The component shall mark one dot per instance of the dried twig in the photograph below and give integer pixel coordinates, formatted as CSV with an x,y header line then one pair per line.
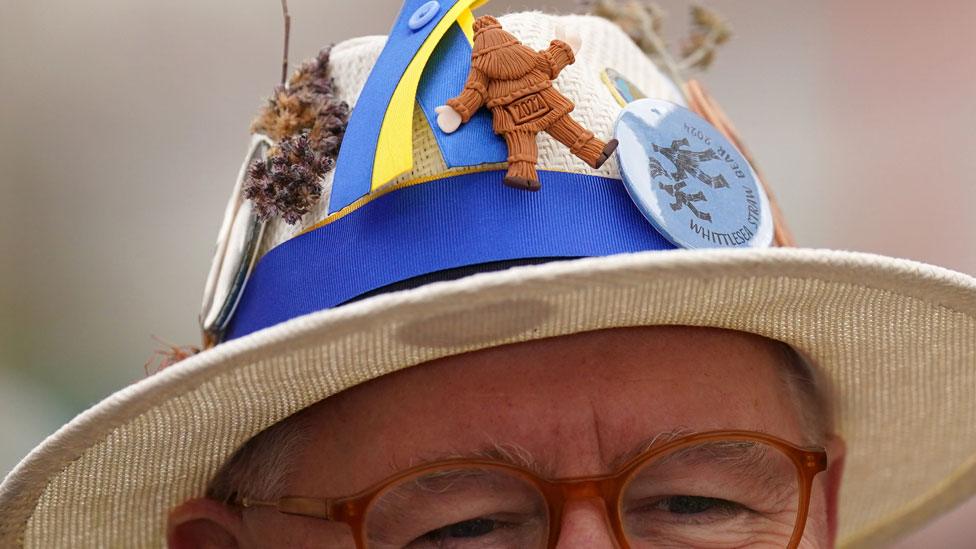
x,y
169,355
284,58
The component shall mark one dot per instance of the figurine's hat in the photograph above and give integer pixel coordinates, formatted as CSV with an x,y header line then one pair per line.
x,y
412,249
485,22
496,51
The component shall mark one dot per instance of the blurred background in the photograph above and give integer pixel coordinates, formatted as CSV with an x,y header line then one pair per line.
x,y
123,124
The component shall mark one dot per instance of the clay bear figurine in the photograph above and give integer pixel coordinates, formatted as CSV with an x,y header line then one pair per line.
x,y
515,82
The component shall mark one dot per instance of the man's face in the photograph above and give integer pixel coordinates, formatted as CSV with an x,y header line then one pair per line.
x,y
574,405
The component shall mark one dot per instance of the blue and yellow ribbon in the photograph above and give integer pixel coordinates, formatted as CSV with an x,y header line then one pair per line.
x,y
426,65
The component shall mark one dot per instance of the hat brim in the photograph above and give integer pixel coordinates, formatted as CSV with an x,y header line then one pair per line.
x,y
896,339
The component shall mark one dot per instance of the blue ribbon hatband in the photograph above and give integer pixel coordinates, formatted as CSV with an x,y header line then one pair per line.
x,y
444,224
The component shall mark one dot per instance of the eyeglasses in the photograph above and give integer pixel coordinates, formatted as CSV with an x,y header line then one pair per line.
x,y
714,489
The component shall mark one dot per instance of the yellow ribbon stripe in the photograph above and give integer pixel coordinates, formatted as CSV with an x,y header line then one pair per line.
x,y
466,22
394,149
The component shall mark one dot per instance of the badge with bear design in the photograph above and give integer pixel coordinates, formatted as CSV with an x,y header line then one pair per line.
x,y
688,180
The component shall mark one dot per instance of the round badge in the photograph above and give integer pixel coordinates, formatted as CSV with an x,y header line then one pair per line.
x,y
688,180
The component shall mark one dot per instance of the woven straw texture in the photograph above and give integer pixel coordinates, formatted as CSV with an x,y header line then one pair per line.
x,y
604,45
897,339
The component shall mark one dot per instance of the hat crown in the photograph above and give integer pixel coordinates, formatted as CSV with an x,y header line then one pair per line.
x,y
370,243
606,46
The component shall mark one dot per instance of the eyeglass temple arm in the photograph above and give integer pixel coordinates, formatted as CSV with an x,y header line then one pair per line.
x,y
306,507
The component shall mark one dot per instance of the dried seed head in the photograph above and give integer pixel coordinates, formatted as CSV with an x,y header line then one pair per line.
x,y
288,183
307,121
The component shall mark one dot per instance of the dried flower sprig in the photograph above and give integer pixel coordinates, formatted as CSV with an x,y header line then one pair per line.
x,y
306,121
710,32
642,20
307,102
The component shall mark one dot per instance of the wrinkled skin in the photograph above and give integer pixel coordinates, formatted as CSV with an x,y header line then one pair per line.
x,y
575,403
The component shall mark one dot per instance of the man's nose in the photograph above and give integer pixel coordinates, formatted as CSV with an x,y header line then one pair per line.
x,y
585,525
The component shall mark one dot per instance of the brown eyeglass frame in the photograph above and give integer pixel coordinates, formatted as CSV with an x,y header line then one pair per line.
x,y
352,509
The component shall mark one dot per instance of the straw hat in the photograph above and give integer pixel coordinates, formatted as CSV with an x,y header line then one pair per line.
x,y
896,338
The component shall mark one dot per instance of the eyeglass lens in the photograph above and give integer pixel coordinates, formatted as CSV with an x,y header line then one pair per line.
x,y
459,508
725,494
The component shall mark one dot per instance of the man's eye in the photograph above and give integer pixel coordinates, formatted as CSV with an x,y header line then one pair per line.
x,y
693,505
472,528
467,529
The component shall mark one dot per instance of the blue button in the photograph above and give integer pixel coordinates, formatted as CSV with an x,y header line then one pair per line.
x,y
423,15
688,180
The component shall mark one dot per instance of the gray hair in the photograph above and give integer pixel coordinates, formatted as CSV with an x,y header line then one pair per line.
x,y
807,386
259,468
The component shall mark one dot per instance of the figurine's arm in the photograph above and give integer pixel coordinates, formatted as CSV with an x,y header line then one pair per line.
x,y
559,55
562,51
460,109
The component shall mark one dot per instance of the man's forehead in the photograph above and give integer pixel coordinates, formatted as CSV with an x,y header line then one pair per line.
x,y
576,405
665,354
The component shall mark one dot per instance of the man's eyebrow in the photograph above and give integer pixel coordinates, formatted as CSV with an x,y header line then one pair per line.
x,y
518,456
731,452
648,443
508,453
